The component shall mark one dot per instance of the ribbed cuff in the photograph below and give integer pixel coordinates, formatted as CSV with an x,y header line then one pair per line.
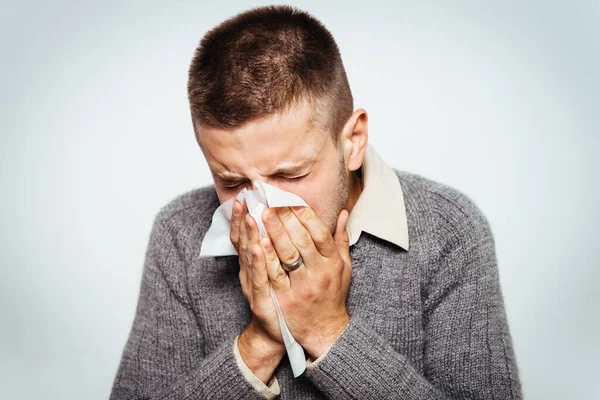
x,y
358,365
219,377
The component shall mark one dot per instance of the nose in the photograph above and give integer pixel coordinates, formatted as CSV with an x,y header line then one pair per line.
x,y
253,182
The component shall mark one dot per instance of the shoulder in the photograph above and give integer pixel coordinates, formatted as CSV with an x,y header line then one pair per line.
x,y
198,203
186,218
445,214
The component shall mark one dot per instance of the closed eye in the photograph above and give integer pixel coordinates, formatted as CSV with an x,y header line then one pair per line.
x,y
294,179
233,186
238,186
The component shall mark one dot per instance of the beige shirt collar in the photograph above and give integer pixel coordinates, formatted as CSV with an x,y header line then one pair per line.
x,y
380,208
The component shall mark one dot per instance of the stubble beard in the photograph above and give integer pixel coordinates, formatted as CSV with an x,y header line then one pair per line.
x,y
342,194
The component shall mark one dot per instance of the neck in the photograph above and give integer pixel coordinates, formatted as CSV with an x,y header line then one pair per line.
x,y
356,188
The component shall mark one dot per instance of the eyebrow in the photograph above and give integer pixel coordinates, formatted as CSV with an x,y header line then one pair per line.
x,y
291,170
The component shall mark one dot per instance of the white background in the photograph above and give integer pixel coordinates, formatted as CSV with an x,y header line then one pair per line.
x,y
498,99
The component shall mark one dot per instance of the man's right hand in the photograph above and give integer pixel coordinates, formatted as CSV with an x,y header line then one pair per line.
x,y
260,344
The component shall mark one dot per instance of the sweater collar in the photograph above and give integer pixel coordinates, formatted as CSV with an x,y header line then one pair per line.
x,y
380,208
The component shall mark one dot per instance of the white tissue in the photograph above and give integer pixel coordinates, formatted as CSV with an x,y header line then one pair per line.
x,y
217,243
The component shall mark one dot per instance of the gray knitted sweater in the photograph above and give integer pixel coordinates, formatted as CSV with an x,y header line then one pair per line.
x,y
428,323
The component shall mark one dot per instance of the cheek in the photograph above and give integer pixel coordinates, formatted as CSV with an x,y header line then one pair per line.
x,y
314,191
225,195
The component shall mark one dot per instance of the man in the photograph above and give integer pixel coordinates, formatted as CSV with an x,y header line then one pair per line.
x,y
270,102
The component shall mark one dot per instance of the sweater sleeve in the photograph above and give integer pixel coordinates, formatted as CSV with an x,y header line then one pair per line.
x,y
163,358
467,352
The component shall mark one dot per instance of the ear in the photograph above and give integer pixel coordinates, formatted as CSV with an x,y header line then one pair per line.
x,y
354,139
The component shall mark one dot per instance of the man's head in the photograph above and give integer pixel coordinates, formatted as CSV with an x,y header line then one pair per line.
x,y
270,101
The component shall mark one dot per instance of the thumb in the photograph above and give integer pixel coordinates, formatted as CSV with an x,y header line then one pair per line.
x,y
341,238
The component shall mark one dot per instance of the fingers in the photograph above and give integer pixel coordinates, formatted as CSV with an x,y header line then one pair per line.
x,y
341,238
260,278
282,243
289,238
244,252
234,230
319,232
244,239
252,228
298,234
279,278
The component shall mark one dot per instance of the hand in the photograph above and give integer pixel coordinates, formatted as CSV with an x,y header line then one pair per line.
x,y
312,298
263,330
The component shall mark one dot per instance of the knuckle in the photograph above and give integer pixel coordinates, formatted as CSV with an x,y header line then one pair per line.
x,y
304,240
280,274
234,239
307,294
278,231
248,221
290,256
255,284
303,213
306,212
271,257
285,213
322,237
324,281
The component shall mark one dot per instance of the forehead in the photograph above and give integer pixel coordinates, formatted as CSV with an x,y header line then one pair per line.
x,y
263,145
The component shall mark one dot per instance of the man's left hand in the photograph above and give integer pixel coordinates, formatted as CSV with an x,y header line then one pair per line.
x,y
312,298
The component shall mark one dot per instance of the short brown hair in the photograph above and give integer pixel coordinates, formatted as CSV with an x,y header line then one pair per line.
x,y
263,61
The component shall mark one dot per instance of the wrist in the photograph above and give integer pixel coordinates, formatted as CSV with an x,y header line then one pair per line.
x,y
260,354
261,344
256,335
318,344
